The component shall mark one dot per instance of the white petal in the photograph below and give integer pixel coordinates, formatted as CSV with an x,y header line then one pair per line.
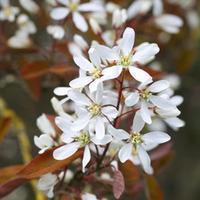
x,y
61,91
161,102
81,123
83,63
78,98
139,74
59,13
176,100
127,42
138,122
119,134
67,137
79,22
175,123
90,7
156,137
63,123
80,82
88,196
94,85
145,113
112,72
158,86
132,99
44,125
125,152
146,53
86,158
66,151
99,94
107,139
99,128
145,160
94,57
110,112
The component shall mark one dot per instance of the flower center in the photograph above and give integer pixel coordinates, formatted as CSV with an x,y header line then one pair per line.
x,y
83,138
73,6
145,94
7,11
94,109
96,73
125,61
135,138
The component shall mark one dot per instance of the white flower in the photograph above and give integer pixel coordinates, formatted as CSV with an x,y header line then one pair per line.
x,y
88,196
124,58
75,8
169,23
148,98
92,111
44,141
143,6
7,11
80,41
136,144
119,18
56,31
30,6
20,40
93,71
45,126
75,140
46,184
25,24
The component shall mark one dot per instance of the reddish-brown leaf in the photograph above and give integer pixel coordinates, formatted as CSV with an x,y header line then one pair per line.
x,y
118,184
153,189
63,69
34,70
7,173
130,172
45,163
8,180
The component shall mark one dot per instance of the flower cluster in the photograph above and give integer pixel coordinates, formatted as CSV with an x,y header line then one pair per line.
x,y
116,110
113,86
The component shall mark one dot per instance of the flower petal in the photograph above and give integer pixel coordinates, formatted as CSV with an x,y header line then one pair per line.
x,y
175,123
79,22
118,134
90,7
78,98
138,122
107,139
156,137
81,123
127,42
94,57
59,13
99,128
66,151
125,152
161,103
112,72
145,160
139,74
83,63
132,99
80,82
158,86
145,113
86,158
110,112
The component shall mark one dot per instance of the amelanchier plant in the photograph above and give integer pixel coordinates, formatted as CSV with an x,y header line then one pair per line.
x,y
106,140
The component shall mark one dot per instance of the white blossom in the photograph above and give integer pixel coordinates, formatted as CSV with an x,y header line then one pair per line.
x,y
136,143
56,31
124,59
46,184
74,7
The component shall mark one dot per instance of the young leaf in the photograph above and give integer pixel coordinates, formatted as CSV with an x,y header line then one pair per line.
x,y
118,184
45,163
